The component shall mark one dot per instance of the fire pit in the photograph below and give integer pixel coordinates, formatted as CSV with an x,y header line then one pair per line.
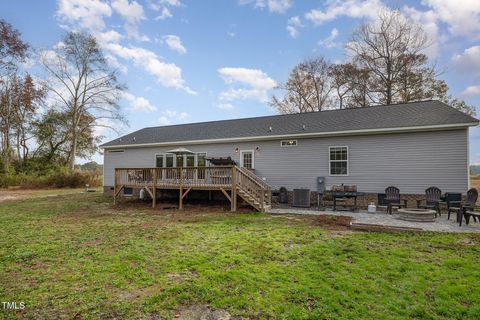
x,y
417,215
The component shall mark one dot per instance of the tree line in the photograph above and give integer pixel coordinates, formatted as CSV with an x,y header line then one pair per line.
x,y
48,120
386,64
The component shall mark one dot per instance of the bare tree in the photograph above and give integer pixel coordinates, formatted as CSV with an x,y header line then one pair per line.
x,y
84,87
12,51
28,98
382,46
307,89
418,81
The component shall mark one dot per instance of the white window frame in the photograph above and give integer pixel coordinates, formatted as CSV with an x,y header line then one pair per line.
x,y
164,154
330,162
196,158
155,159
287,145
253,158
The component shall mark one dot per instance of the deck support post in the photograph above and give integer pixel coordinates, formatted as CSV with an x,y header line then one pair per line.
x,y
233,202
154,196
115,187
180,196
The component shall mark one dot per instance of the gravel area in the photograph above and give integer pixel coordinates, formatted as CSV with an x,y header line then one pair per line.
x,y
381,219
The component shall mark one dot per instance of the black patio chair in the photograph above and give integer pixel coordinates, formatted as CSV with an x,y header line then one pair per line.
x,y
467,208
392,199
432,200
453,201
467,214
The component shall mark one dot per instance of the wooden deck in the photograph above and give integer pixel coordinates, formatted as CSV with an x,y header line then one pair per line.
x,y
231,180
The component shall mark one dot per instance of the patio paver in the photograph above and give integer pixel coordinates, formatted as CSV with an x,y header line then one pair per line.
x,y
381,219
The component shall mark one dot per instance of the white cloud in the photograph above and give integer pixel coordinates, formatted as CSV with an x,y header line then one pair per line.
x,y
462,18
429,23
254,84
113,61
162,6
472,91
139,103
165,13
168,74
469,60
88,14
175,3
279,6
351,8
174,43
169,117
225,106
109,36
329,42
293,24
133,13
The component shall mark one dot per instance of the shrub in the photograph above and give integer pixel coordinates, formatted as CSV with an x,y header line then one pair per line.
x,y
57,179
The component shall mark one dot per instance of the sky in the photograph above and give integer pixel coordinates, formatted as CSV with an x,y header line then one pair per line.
x,y
192,61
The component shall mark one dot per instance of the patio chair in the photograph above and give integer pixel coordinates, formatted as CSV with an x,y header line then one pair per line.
x,y
453,201
432,199
392,199
467,214
467,208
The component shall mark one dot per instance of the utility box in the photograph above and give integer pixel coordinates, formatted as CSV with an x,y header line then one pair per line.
x,y
321,185
301,198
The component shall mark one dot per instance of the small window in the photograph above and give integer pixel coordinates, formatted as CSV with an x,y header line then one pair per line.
x,y
116,151
159,160
201,159
246,159
128,192
169,160
288,143
338,161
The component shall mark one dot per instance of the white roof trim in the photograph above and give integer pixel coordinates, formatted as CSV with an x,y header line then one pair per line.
x,y
301,135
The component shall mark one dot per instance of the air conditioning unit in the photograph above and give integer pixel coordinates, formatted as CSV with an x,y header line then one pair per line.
x,y
301,198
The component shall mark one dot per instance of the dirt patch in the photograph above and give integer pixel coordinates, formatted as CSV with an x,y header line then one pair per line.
x,y
199,312
334,222
13,194
329,222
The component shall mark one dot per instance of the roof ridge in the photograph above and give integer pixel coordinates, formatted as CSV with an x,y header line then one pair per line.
x,y
292,114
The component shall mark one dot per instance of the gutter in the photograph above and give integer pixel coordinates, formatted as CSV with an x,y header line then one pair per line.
x,y
300,135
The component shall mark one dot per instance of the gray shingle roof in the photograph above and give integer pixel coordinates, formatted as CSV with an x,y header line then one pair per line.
x,y
415,114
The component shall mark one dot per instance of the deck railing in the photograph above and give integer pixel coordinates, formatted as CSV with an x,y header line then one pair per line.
x,y
255,186
187,177
218,177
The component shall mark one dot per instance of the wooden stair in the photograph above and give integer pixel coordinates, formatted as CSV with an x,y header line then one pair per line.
x,y
253,190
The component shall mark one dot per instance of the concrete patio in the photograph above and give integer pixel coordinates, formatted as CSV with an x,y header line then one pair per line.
x,y
382,221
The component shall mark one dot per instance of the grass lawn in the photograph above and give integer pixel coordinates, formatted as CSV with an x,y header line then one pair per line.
x,y
80,257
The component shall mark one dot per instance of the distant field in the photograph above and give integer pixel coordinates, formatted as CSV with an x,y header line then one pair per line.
x,y
475,181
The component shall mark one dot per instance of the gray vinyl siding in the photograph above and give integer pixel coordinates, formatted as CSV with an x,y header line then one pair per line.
x,y
410,161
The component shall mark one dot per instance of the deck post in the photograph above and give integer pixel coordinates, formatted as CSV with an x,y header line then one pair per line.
x,y
115,186
262,199
180,196
154,198
234,190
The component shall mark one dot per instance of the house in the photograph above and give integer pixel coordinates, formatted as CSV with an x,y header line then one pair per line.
x,y
411,146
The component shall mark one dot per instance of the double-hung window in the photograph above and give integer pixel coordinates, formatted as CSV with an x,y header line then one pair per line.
x,y
338,161
246,159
